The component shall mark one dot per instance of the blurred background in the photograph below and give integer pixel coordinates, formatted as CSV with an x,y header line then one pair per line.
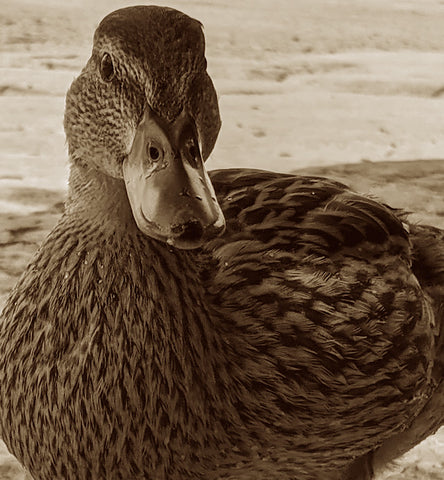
x,y
353,90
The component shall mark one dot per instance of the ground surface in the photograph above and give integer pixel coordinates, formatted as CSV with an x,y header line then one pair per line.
x,y
302,84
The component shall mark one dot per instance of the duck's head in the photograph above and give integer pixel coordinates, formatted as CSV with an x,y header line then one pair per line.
x,y
144,110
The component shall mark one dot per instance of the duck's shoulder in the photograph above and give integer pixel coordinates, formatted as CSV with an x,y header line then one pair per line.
x,y
228,181
288,211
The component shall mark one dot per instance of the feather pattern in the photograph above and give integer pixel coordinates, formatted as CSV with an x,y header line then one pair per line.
x,y
298,344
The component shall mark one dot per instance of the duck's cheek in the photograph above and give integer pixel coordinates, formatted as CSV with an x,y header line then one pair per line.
x,y
171,195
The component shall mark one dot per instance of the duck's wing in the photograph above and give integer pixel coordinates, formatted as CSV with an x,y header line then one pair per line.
x,y
319,281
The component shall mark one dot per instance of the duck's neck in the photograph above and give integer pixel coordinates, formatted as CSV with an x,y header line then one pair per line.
x,y
152,284
98,208
99,198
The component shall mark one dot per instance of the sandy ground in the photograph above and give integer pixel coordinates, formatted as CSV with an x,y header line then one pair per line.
x,y
353,90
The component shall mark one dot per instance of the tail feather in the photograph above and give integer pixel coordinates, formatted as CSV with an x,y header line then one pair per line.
x,y
428,248
428,266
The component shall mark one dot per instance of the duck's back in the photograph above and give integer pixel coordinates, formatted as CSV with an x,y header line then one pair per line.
x,y
322,282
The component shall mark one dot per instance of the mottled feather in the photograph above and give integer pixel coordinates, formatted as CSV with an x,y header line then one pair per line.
x,y
306,342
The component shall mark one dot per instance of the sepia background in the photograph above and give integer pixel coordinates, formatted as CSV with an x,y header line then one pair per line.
x,y
348,89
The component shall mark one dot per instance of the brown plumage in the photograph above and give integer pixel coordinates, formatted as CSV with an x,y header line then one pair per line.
x,y
143,343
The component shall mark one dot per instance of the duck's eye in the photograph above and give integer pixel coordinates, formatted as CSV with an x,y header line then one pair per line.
x,y
193,151
155,153
107,68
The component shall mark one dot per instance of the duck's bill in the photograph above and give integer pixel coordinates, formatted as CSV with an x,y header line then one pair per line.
x,y
171,195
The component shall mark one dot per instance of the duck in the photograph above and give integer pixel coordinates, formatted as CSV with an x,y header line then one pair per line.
x,y
233,324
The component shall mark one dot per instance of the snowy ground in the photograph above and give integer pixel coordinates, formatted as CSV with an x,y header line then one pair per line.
x,y
302,83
